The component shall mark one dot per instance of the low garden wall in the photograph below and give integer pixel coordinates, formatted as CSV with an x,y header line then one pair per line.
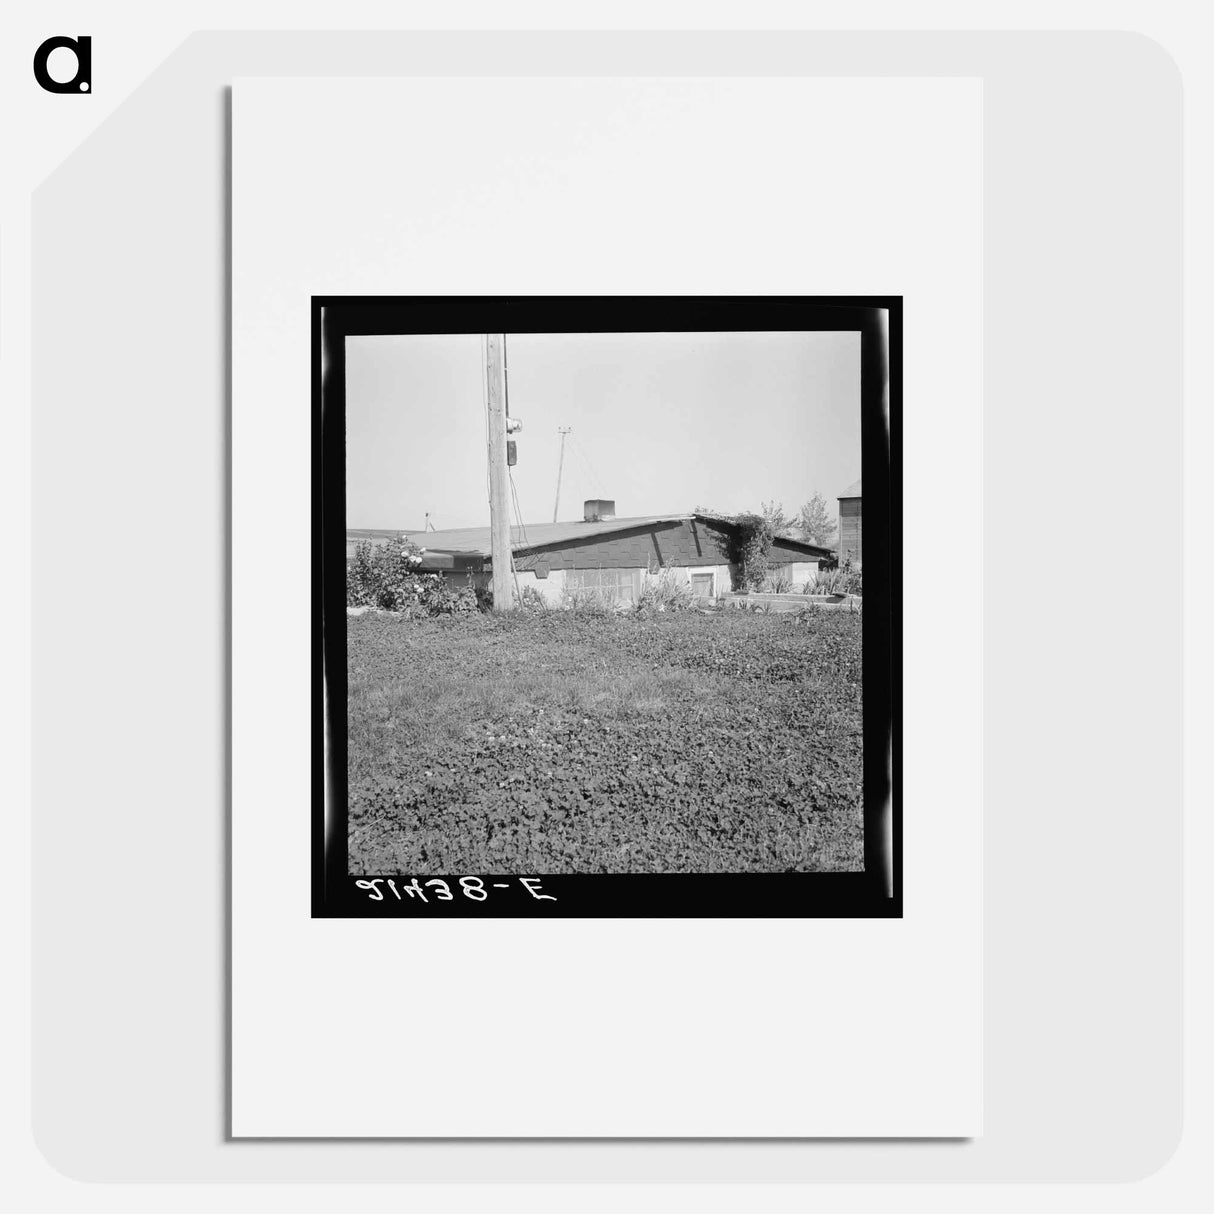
x,y
757,600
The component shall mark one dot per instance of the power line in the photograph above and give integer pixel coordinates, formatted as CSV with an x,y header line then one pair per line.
x,y
485,417
518,515
621,472
518,512
591,474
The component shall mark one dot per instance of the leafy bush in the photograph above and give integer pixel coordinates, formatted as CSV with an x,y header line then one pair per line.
x,y
852,576
825,581
435,597
840,579
530,600
446,601
779,582
386,576
749,547
665,591
592,602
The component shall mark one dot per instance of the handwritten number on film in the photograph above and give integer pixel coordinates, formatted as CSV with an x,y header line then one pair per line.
x,y
440,891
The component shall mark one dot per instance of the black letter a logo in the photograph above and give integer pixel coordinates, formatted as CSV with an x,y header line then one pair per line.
x,y
82,48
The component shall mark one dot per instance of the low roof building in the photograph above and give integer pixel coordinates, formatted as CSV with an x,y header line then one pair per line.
x,y
601,551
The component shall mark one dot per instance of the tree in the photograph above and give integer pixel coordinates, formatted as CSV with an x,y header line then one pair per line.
x,y
773,513
816,521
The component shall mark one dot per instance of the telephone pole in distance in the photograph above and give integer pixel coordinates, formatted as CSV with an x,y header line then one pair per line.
x,y
560,464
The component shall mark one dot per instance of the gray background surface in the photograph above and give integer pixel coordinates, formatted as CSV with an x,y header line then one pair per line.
x,y
1082,684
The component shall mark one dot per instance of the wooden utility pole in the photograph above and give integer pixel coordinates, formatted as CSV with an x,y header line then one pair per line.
x,y
499,484
560,464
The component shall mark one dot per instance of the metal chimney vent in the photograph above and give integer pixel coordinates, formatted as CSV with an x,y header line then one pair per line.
x,y
598,510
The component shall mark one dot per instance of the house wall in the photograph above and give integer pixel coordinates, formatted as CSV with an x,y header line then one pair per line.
x,y
458,579
552,587
850,537
549,587
802,571
722,579
688,544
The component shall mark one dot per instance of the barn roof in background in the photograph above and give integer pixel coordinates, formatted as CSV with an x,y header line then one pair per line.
x,y
852,491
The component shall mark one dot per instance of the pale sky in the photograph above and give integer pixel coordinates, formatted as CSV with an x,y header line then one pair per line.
x,y
661,423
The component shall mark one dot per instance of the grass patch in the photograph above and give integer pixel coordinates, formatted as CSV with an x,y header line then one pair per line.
x,y
558,742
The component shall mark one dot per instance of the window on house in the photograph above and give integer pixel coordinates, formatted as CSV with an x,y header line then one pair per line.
x,y
701,584
619,585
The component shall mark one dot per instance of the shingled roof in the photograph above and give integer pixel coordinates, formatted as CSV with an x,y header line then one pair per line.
x,y
851,491
475,541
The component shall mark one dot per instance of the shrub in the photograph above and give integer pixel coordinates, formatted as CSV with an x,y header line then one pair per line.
x,y
484,597
592,602
825,581
779,582
840,579
386,576
665,591
852,576
434,596
530,600
455,602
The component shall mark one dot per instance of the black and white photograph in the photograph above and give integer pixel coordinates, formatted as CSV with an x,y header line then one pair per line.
x,y
602,600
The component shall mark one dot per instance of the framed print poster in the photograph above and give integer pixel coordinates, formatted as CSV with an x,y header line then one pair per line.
x,y
594,701
652,711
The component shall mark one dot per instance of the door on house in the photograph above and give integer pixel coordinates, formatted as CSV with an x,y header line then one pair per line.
x,y
701,585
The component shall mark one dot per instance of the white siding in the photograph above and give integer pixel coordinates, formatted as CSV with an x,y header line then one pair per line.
x,y
720,577
550,587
